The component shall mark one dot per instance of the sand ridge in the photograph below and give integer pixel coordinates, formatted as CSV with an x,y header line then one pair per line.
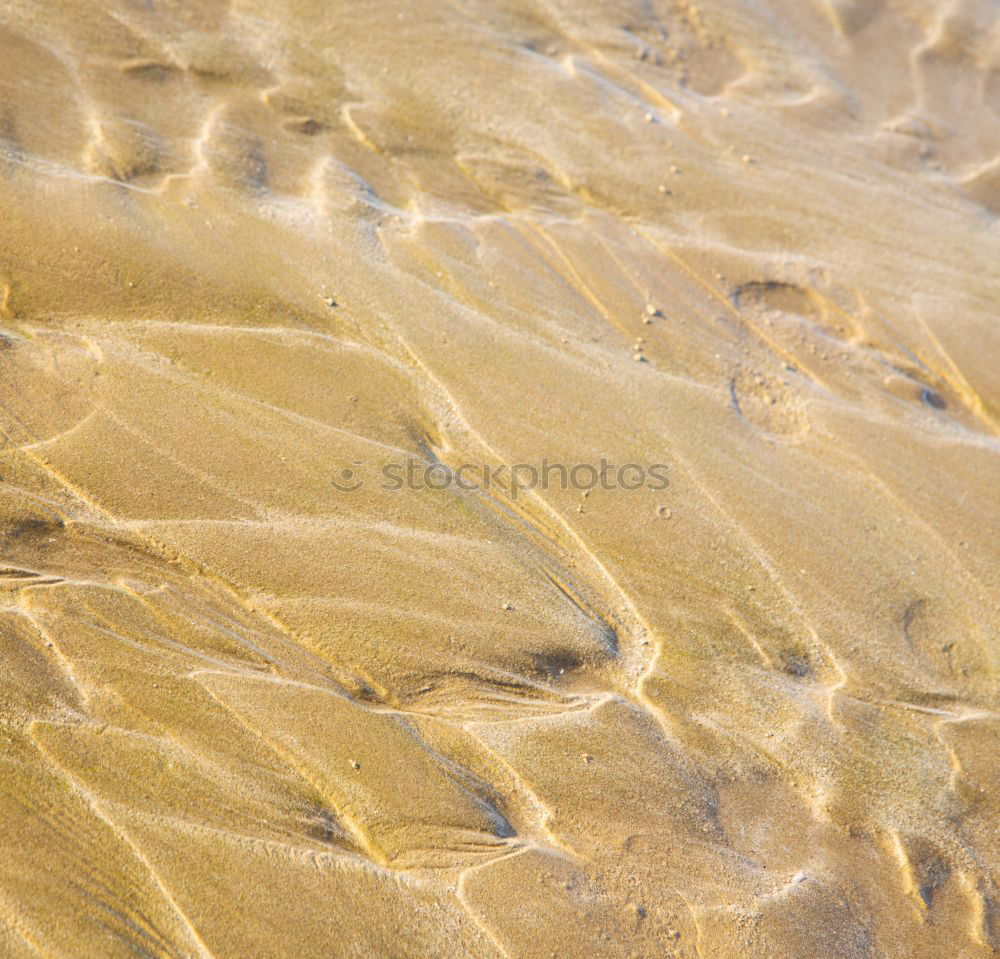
x,y
250,244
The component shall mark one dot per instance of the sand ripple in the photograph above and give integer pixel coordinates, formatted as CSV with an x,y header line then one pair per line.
x,y
250,245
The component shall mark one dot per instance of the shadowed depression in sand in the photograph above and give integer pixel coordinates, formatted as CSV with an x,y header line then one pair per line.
x,y
248,245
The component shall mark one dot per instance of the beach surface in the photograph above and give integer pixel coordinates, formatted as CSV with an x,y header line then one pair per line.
x,y
275,275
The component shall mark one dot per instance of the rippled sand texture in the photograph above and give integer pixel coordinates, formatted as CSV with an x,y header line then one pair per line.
x,y
247,715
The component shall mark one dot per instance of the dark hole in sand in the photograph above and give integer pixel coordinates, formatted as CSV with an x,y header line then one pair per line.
x,y
933,399
795,664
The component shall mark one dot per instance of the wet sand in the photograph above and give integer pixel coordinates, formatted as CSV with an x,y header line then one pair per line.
x,y
256,704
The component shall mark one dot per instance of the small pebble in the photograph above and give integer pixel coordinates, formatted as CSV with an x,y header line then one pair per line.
x,y
639,358
330,301
746,158
355,765
665,512
507,606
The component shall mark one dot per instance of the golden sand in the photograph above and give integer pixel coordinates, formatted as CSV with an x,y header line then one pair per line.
x,y
255,251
